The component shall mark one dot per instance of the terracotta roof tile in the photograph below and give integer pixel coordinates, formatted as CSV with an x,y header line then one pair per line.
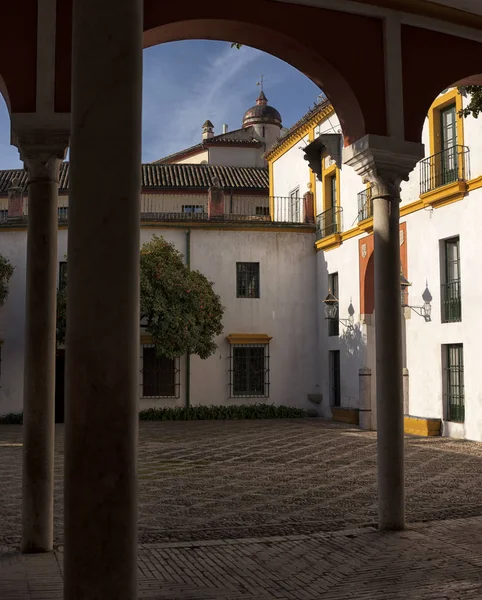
x,y
170,176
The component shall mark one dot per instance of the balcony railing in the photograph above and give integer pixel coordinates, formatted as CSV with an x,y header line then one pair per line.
x,y
451,302
194,207
365,205
443,168
329,222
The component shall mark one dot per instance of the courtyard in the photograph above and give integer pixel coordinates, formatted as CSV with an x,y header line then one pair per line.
x,y
273,509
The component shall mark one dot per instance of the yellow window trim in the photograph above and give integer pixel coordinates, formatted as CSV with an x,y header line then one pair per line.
x,y
326,174
249,338
453,96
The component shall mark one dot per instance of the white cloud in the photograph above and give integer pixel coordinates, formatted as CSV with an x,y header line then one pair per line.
x,y
214,93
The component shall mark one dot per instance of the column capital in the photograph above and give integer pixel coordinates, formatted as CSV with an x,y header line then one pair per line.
x,y
383,161
42,153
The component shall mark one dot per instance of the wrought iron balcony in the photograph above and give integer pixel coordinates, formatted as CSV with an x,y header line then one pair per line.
x,y
451,302
445,167
329,222
365,205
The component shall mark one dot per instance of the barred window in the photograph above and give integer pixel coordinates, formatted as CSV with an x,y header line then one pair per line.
x,y
62,274
192,208
249,371
262,211
247,280
159,375
295,205
454,382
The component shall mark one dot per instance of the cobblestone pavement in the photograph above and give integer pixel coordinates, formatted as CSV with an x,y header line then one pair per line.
x,y
257,510
212,480
437,561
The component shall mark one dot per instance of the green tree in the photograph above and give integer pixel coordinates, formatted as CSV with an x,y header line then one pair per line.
x,y
6,271
181,310
474,107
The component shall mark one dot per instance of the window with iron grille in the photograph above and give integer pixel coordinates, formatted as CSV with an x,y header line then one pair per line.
x,y
247,280
450,289
453,359
295,205
333,324
62,274
192,209
332,192
159,376
249,371
262,210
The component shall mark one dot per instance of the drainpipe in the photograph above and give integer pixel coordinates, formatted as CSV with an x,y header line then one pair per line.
x,y
188,356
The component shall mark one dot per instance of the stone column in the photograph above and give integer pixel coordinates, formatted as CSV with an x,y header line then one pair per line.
x,y
216,208
385,162
102,344
42,155
388,335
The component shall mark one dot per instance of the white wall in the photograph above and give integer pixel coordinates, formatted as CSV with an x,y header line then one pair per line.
x,y
286,311
195,159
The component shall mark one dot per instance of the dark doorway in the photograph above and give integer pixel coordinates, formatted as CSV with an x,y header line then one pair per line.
x,y
334,356
59,386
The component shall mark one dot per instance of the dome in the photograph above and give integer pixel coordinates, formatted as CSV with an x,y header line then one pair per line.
x,y
261,113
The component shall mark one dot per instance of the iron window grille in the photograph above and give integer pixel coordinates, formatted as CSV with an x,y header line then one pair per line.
x,y
247,280
448,166
62,274
262,211
192,209
454,382
160,377
451,289
365,205
249,371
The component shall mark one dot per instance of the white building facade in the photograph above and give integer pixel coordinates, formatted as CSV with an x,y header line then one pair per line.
x,y
440,255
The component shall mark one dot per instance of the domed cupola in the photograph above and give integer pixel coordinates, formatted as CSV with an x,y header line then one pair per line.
x,y
261,114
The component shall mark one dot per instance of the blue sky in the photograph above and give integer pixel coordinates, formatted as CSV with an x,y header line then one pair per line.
x,y
187,82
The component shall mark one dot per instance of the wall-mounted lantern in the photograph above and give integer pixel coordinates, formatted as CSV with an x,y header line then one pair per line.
x,y
424,311
331,311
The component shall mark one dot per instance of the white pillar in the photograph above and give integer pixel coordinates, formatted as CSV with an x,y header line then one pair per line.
x,y
385,162
102,343
42,154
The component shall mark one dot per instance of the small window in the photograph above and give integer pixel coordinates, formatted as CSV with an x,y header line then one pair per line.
x,y
332,191
159,375
192,209
334,324
247,280
62,274
249,371
451,290
453,362
262,211
3,215
294,200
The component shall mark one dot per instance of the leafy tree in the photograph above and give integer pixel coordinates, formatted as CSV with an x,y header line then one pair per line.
x,y
181,310
474,107
179,306
6,271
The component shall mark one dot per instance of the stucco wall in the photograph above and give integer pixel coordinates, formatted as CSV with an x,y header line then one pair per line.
x,y
239,157
286,311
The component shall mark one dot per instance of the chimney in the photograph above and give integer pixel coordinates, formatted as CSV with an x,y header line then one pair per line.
x,y
15,199
215,200
208,130
225,128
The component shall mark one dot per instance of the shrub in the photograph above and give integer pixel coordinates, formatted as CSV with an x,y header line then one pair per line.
x,y
11,419
213,412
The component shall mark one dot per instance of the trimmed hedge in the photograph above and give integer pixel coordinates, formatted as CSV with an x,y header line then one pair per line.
x,y
213,412
11,419
200,413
